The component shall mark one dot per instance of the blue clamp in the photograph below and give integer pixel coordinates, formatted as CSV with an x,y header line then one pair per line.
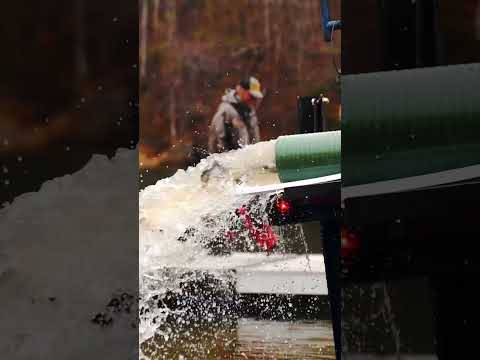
x,y
329,26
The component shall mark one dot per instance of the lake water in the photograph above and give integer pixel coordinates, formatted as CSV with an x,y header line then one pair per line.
x,y
248,339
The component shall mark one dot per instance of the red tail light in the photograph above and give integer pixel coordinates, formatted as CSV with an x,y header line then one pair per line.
x,y
350,244
283,206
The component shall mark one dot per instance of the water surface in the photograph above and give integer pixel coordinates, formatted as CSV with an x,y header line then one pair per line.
x,y
248,339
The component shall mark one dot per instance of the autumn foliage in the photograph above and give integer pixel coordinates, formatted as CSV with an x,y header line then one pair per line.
x,y
191,51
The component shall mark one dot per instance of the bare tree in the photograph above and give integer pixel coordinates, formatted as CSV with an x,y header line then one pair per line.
x,y
172,114
156,7
300,35
266,22
143,37
278,41
171,36
172,22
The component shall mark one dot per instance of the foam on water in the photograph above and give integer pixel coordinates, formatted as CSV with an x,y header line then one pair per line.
x,y
174,204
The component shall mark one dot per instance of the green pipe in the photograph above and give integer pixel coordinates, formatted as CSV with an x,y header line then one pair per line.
x,y
405,123
307,156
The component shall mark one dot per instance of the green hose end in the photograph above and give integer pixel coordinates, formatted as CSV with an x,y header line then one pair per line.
x,y
307,156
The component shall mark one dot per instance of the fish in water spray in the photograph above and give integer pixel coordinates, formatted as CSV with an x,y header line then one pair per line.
x,y
245,227
214,170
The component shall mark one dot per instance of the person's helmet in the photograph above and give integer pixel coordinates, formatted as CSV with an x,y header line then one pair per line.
x,y
253,87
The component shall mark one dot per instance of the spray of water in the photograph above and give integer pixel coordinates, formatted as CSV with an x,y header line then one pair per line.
x,y
193,205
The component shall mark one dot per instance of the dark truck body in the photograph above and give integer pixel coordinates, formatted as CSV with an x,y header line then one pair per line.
x,y
409,280
416,232
422,245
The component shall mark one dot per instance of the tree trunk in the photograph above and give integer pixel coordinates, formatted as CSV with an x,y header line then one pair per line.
x,y
278,41
172,22
171,38
300,35
266,22
172,114
143,38
156,7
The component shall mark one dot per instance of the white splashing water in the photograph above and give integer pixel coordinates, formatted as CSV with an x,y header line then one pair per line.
x,y
175,204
